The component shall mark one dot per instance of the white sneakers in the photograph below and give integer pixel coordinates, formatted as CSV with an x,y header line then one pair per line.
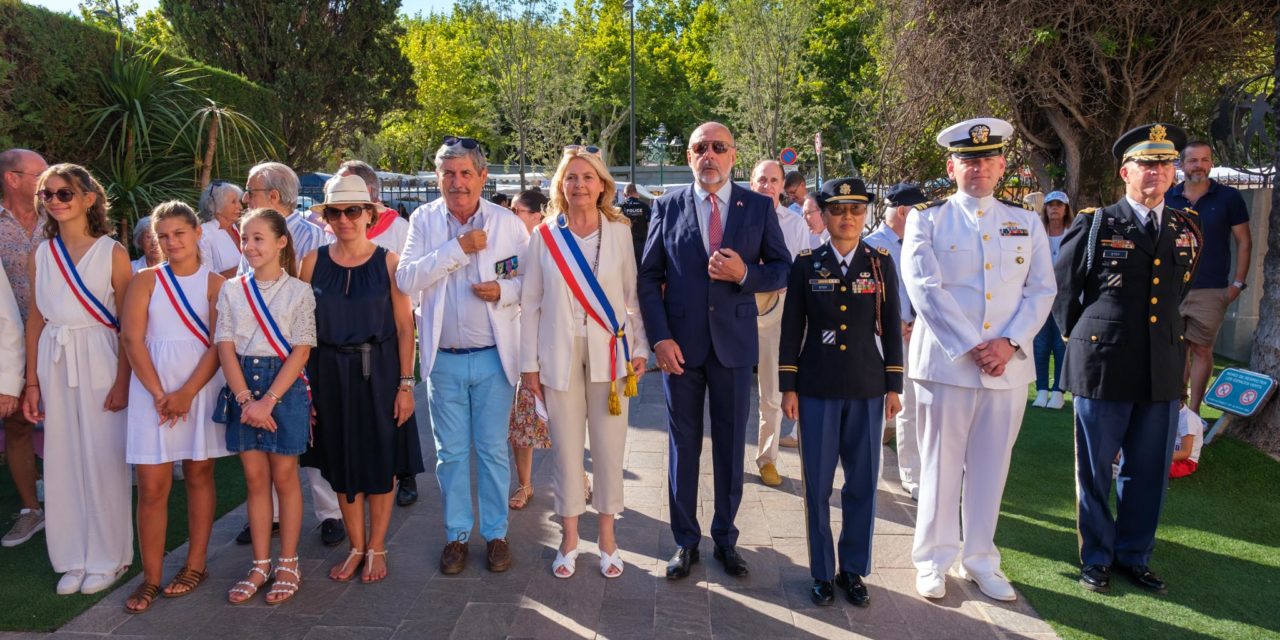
x,y
1055,400
931,584
1042,398
912,489
70,582
77,582
993,584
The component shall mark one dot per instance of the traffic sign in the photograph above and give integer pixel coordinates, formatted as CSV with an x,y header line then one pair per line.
x,y
788,156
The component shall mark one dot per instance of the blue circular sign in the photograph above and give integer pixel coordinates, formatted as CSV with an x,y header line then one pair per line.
x,y
788,156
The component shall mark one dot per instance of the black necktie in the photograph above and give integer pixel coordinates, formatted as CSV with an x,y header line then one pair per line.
x,y
1152,231
844,268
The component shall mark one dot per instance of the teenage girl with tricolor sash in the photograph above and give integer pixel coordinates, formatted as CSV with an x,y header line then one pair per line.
x,y
80,274
166,318
266,327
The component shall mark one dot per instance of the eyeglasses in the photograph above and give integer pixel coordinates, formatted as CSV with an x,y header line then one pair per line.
x,y
352,213
244,197
453,141
591,149
63,195
719,146
23,173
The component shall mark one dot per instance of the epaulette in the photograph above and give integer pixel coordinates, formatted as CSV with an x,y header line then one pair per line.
x,y
1017,205
805,252
883,251
931,204
1087,211
1191,211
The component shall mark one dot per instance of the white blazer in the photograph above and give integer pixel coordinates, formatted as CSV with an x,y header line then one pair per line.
x,y
547,306
12,340
431,254
973,278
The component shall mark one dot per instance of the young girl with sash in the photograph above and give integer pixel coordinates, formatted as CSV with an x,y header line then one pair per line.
x,y
584,344
166,317
266,327
74,372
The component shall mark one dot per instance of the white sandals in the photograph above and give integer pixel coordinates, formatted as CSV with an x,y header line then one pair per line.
x,y
610,561
567,563
284,586
252,589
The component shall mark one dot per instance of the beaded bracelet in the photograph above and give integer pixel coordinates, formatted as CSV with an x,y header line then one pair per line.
x,y
273,396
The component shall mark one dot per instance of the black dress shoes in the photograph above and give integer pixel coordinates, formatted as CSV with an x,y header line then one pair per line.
x,y
822,593
1142,576
332,532
854,591
733,563
407,494
245,537
678,565
1096,578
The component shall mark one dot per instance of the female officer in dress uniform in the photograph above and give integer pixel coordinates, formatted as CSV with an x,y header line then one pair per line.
x,y
840,298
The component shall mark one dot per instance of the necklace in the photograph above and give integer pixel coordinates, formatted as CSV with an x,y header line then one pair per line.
x,y
264,285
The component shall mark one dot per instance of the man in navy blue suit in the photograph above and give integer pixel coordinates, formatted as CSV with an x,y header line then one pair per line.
x,y
711,247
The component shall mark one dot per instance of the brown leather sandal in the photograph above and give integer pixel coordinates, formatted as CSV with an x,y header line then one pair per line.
x,y
187,578
146,594
522,497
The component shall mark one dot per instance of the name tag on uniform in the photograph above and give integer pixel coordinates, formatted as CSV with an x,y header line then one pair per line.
x,y
864,285
1111,253
1013,229
506,269
825,284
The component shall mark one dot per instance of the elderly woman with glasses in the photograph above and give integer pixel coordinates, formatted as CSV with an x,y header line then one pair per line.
x,y
147,245
584,343
219,212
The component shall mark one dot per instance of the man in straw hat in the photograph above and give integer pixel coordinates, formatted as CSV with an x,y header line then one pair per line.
x,y
1124,271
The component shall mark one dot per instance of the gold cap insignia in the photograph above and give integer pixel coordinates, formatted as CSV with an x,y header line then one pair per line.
x,y
978,133
845,189
1157,133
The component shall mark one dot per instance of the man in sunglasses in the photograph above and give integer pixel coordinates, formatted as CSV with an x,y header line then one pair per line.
x,y
459,266
712,245
21,231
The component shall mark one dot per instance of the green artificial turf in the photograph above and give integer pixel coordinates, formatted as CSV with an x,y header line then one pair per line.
x,y
27,581
1216,546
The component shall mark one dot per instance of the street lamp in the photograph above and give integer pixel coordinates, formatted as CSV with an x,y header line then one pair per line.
x,y
630,6
657,146
106,15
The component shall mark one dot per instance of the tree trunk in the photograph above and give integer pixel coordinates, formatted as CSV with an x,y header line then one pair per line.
x,y
210,150
1263,431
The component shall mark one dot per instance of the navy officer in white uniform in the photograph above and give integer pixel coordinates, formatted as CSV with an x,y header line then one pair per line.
x,y
979,274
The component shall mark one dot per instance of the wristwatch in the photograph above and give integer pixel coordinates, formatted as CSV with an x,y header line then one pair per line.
x,y
1239,285
1013,343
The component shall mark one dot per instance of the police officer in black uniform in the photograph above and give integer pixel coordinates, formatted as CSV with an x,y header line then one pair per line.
x,y
638,213
1122,273
840,298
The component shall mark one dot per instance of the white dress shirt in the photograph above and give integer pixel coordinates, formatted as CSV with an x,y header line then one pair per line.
x,y
703,205
1143,212
794,231
217,250
463,308
884,237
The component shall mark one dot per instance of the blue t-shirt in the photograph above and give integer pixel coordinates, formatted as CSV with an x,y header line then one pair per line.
x,y
1220,208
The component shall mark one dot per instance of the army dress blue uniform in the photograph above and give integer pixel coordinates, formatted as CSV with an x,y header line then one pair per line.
x,y
1121,283
829,357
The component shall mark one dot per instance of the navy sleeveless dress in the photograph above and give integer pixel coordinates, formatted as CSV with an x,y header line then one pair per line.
x,y
354,372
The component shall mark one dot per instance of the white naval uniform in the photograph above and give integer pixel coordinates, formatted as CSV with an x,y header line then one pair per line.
x,y
975,270
905,424
769,330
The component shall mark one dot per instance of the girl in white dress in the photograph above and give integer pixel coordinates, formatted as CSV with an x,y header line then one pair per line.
x,y
80,274
166,318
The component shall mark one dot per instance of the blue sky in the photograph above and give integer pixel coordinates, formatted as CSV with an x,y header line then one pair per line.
x,y
407,7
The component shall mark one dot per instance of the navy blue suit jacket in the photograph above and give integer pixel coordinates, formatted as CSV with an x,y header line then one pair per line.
x,y
697,312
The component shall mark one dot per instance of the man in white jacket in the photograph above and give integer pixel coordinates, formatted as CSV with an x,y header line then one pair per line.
x,y
12,350
459,265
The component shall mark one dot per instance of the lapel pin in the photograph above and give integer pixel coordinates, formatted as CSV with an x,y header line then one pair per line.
x,y
739,203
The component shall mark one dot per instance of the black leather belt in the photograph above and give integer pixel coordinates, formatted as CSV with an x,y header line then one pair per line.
x,y
458,352
364,350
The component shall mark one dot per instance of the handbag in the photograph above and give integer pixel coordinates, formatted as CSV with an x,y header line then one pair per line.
x,y
222,406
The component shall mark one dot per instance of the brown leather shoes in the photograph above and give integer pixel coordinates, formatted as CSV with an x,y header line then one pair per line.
x,y
454,558
499,555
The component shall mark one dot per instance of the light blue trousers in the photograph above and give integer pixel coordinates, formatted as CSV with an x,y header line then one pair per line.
x,y
470,401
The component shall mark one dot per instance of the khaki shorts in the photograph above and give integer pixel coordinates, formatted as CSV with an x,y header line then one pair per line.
x,y
1203,310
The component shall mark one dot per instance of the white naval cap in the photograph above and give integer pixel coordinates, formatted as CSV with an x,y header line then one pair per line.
x,y
976,138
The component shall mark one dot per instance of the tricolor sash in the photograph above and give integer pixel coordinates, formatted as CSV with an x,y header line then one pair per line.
x,y
266,322
586,290
86,298
178,298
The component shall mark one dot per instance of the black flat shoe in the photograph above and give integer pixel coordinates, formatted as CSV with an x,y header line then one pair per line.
x,y
1095,578
822,593
407,494
854,591
332,532
245,537
678,565
1144,578
733,563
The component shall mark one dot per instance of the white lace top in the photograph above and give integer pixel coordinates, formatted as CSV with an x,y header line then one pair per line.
x,y
291,303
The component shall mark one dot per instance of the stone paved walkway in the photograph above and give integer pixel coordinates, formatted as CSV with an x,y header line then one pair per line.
x,y
528,602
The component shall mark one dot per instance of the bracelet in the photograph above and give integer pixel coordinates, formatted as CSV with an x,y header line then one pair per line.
x,y
273,396
409,380
244,396
33,384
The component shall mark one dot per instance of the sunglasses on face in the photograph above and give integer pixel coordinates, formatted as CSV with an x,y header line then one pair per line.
x,y
63,195
719,146
453,141
352,213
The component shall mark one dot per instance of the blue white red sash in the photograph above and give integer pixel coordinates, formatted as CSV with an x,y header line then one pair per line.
x,y
86,298
270,330
586,290
178,298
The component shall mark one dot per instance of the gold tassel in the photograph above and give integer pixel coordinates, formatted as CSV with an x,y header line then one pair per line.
x,y
615,405
631,391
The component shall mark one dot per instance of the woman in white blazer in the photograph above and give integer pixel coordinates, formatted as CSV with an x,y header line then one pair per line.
x,y
583,361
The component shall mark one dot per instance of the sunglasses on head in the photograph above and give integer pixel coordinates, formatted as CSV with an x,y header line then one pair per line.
x,y
352,212
719,146
590,148
63,195
453,141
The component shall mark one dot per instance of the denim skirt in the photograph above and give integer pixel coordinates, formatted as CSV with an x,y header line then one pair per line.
x,y
292,414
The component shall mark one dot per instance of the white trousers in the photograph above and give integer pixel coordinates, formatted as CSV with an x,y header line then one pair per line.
x,y
769,329
570,415
905,427
323,499
966,438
